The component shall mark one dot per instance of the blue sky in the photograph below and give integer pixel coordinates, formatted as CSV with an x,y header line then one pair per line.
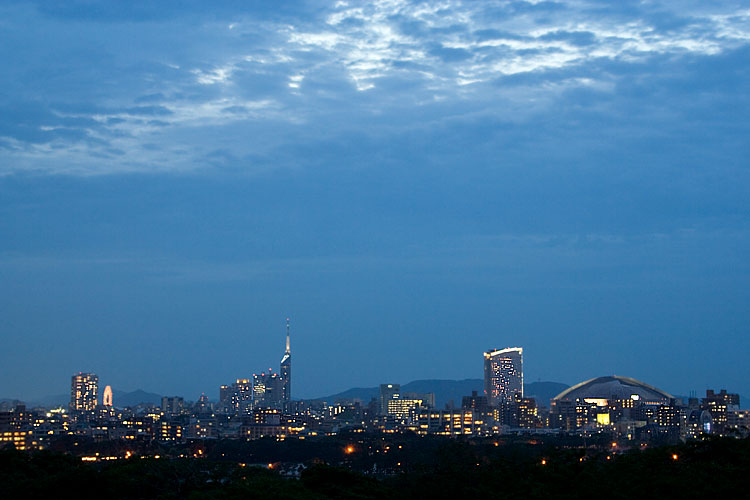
x,y
412,182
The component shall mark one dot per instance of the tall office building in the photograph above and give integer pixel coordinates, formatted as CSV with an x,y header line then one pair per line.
x,y
172,405
286,371
83,392
236,399
242,396
503,375
266,390
720,405
387,393
226,393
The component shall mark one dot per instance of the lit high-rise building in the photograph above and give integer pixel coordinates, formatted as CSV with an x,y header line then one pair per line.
x,y
83,392
503,375
242,396
387,393
226,393
236,399
405,409
286,371
266,390
172,405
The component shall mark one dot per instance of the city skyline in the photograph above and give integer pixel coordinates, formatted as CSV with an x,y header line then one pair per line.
x,y
503,381
411,182
277,384
608,409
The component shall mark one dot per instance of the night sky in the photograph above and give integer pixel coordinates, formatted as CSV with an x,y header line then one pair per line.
x,y
413,183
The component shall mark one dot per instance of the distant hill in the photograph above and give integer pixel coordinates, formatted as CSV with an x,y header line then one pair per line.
x,y
543,391
122,399
451,390
119,399
52,401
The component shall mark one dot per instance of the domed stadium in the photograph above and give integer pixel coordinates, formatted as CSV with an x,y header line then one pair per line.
x,y
613,387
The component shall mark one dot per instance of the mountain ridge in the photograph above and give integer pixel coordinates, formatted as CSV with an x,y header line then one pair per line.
x,y
447,391
119,398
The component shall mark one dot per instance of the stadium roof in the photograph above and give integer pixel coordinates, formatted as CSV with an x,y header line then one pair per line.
x,y
613,387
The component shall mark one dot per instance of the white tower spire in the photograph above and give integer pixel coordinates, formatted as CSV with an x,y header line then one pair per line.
x,y
287,336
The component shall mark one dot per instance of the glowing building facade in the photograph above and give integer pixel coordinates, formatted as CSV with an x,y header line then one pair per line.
x,y
83,392
107,396
503,375
405,410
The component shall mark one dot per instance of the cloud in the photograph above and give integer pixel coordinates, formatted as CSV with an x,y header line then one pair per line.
x,y
147,111
313,70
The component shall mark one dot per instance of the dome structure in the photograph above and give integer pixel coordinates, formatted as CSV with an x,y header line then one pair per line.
x,y
613,387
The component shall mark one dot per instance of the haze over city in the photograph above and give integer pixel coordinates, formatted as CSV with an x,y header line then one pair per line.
x,y
413,183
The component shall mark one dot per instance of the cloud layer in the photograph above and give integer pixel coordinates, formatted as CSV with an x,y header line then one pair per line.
x,y
403,178
93,89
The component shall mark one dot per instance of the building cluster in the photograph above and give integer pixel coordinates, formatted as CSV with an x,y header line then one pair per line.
x,y
632,410
265,390
620,407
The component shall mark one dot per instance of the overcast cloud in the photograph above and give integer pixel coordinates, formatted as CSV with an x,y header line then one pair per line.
x,y
401,177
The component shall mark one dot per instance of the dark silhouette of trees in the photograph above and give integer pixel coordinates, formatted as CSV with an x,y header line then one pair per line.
x,y
429,468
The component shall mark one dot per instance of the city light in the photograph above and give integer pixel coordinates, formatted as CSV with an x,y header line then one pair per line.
x,y
244,412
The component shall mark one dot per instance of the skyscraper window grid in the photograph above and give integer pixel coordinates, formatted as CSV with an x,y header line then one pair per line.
x,y
503,375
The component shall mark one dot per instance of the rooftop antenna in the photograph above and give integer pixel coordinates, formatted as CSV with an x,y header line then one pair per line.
x,y
287,336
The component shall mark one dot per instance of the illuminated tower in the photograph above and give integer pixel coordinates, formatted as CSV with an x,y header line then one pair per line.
x,y
107,396
286,371
503,375
83,390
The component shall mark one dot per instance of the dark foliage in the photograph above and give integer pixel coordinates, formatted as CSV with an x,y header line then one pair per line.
x,y
407,467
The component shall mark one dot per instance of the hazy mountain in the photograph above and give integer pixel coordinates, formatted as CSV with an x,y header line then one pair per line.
x,y
122,399
445,391
451,390
119,399
52,401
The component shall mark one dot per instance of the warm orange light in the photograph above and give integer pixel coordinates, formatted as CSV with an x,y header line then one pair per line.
x,y
674,456
270,466
107,397
544,461
350,449
614,445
